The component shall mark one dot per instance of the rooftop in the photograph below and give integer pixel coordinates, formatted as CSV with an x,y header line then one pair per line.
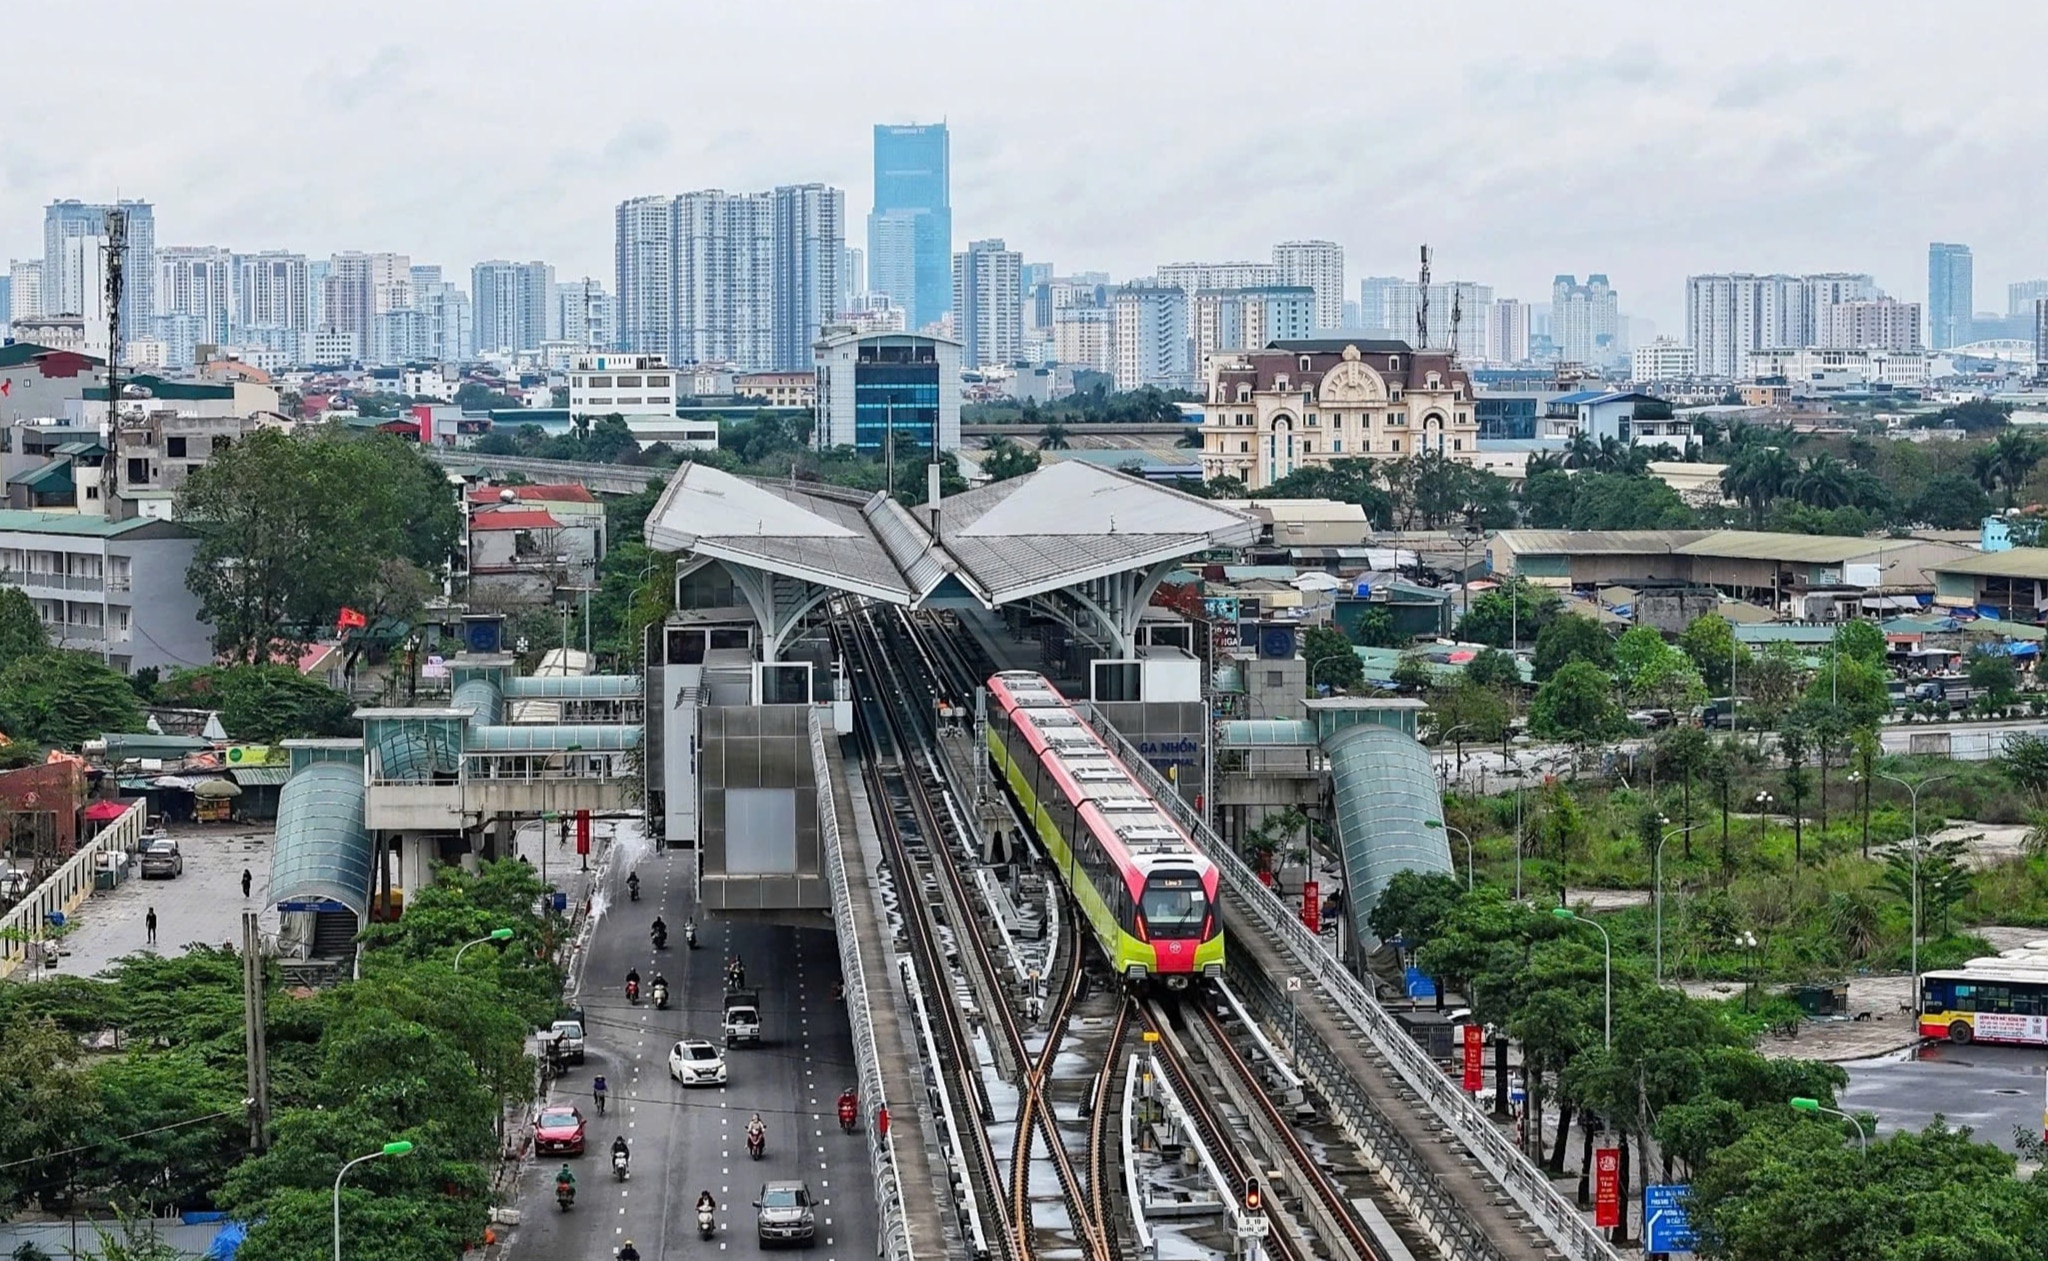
x,y
514,519
2020,562
81,525
573,492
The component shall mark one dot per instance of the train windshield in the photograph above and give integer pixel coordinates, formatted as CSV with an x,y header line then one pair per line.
x,y
1174,905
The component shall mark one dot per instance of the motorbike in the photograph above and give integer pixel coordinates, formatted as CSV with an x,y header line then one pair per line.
x,y
690,933
757,1143
660,937
661,995
705,1226
633,992
565,1194
735,979
619,1166
849,1113
633,889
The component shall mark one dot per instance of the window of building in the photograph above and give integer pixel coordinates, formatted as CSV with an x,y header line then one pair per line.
x,y
1312,421
629,383
657,382
1463,417
600,383
1244,393
1305,364
1308,446
1397,418
1336,446
174,448
1393,363
1397,446
1457,444
1244,448
1280,382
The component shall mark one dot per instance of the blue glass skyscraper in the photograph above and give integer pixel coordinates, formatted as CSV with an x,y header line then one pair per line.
x,y
910,232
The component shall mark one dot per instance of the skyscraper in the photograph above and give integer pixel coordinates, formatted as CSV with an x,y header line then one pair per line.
x,y
988,317
69,271
910,232
2021,295
587,313
853,276
1372,305
270,292
1730,314
1949,295
1585,320
724,285
1149,337
1320,266
360,287
514,304
197,281
808,252
25,288
646,275
1507,332
1471,303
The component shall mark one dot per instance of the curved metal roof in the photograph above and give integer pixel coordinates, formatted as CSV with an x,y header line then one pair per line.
x,y
574,687
1386,796
322,849
483,697
1254,733
586,737
413,753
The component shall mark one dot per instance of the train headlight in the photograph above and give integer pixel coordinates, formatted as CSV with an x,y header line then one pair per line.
x,y
1135,972
1214,971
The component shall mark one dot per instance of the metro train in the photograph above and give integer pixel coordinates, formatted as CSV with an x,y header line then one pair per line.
x,y
1148,895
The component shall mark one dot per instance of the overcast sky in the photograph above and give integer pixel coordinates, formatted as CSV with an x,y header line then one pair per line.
x,y
1643,138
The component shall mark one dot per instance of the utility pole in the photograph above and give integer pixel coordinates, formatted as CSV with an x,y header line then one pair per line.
x,y
1422,305
252,1033
110,466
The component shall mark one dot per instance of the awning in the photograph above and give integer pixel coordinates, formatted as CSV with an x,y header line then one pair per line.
x,y
261,776
1890,603
106,811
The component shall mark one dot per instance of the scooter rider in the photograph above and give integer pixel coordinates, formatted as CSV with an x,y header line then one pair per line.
x,y
633,885
619,1149
628,1252
659,932
565,1179
705,1204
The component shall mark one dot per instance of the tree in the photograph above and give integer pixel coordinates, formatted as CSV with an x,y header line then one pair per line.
x,y
1795,745
1635,650
1414,907
1513,609
1493,668
1568,638
65,699
1865,749
1773,683
1467,711
1330,659
292,528
1824,483
1710,641
1758,477
1949,501
21,628
2007,461
1006,460
1376,628
1995,675
1576,704
2024,760
264,703
1053,437
1862,641
1684,749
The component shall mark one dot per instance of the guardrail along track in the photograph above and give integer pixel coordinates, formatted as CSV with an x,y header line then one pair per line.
x,y
893,669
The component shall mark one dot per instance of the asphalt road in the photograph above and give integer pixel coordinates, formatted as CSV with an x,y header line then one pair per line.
x,y
686,1140
1989,1088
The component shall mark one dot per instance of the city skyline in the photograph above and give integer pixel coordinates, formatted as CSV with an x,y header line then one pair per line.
x,y
1782,168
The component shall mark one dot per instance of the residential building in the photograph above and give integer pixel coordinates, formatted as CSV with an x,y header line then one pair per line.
x,y
872,384
646,275
359,287
317,272
853,276
1471,303
1084,337
63,332
1822,292
1245,319
1193,278
2021,295
54,468
585,314
1149,337
1882,323
73,276
876,314
269,292
1320,266
399,337
1812,371
156,451
336,346
24,288
1730,314
197,281
1950,294
448,319
627,384
1585,319
910,231
524,552
2041,339
1664,359
1373,305
115,588
808,251
514,305
1623,416
724,248
1507,332
987,312
778,389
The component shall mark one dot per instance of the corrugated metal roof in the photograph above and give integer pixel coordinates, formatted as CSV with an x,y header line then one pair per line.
x,y
1264,733
1806,549
1590,542
515,519
260,776
587,738
575,687
46,475
2020,562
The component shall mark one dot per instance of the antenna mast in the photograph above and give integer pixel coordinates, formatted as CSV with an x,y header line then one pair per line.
x,y
589,332
1422,305
116,251
1457,314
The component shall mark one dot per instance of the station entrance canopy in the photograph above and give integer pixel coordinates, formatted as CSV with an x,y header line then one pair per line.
x,y
1082,545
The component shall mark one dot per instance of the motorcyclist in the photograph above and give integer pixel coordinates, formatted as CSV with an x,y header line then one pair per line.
x,y
736,973
628,1252
659,984
690,932
756,1130
599,1090
565,1179
705,1204
633,976
633,885
619,1149
659,931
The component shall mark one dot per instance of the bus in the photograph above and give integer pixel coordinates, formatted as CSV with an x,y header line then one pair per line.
x,y
2001,999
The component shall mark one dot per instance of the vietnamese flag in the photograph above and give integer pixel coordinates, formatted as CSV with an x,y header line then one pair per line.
x,y
349,617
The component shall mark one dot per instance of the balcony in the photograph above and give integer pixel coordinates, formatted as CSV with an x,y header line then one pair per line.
x,y
40,580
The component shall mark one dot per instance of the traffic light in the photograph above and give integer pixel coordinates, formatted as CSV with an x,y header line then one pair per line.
x,y
1251,1196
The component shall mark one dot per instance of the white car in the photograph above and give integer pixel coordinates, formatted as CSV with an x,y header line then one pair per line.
x,y
695,1062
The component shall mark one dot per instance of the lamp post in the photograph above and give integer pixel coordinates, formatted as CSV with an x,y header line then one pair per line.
x,y
1321,661
1657,859
1607,1021
1748,942
1445,735
1467,539
1814,1105
398,1148
496,934
1764,801
1913,791
1462,835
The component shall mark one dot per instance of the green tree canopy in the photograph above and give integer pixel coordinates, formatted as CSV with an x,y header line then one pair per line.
x,y
1861,640
1576,704
1493,668
65,699
1949,501
1331,660
1710,641
1006,460
21,628
1570,637
1513,608
265,703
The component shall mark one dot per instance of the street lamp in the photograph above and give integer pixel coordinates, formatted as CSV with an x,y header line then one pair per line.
x,y
1764,802
1607,1023
1815,1105
1323,660
1913,791
1462,835
1658,860
496,934
398,1148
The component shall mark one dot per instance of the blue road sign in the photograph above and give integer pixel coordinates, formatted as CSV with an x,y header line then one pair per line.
x,y
1665,1225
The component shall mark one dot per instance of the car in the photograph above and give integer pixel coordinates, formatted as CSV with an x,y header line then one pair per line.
x,y
558,1130
786,1214
695,1062
570,1032
742,1017
162,858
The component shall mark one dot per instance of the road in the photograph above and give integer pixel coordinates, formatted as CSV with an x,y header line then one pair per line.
x,y
684,1141
1989,1088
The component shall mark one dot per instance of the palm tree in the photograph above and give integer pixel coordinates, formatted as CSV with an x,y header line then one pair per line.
x,y
1824,483
1053,437
2011,458
1759,477
1581,453
1543,462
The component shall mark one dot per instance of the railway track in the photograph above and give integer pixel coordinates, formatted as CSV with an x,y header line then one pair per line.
x,y
892,665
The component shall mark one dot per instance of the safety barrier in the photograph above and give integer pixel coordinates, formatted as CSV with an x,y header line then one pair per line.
x,y
895,1229
1560,1221
26,925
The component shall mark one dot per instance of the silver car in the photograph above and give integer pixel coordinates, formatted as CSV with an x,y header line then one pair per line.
x,y
786,1214
162,858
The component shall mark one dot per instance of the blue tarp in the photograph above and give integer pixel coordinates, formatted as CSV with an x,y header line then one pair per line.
x,y
227,1242
2021,649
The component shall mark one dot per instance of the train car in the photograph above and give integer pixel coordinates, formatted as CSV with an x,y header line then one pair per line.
x,y
1148,895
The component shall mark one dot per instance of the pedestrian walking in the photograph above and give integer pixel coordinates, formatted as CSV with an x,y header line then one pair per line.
x,y
149,922
247,880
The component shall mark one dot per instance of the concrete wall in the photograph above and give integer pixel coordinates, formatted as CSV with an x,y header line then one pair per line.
x,y
747,749
166,629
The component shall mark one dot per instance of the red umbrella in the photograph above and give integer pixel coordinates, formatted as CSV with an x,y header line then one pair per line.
x,y
106,811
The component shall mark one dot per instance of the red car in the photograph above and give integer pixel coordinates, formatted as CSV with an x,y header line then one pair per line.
x,y
559,1129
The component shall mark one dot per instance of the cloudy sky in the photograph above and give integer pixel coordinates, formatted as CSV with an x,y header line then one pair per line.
x,y
1642,138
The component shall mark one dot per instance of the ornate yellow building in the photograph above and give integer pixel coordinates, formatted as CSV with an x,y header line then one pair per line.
x,y
1301,404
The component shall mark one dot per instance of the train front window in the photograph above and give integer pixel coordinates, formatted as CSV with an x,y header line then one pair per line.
x,y
1174,906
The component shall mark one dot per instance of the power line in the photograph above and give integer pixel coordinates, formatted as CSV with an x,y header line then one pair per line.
x,y
118,1138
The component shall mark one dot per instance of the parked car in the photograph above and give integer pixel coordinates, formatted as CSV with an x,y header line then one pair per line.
x,y
695,1062
558,1129
786,1214
570,1033
1651,719
162,859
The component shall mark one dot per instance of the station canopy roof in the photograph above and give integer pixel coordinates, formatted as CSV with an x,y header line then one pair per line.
x,y
1064,524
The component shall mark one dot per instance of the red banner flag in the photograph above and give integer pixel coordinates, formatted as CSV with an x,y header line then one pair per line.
x,y
583,831
1475,1053
1607,1187
349,617
1312,905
